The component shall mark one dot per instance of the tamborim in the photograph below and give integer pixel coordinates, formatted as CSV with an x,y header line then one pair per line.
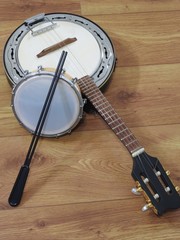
x,y
90,50
65,111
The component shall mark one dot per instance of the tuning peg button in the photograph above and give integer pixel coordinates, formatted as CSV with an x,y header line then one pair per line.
x,y
168,172
177,188
146,180
167,189
147,207
136,191
156,196
158,173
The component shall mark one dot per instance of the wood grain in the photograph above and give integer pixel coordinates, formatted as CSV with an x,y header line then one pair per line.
x,y
109,7
79,185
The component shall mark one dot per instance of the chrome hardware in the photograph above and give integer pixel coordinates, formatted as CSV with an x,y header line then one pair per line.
x,y
40,68
84,100
35,20
74,81
137,191
147,207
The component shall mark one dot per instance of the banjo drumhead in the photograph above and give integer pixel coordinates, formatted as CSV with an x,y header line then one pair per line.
x,y
91,54
81,60
65,110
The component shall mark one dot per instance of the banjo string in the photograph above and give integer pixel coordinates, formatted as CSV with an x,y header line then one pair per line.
x,y
76,65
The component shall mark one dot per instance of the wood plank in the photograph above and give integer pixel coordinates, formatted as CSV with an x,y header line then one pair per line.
x,y
79,185
84,166
20,11
144,38
109,7
99,220
146,95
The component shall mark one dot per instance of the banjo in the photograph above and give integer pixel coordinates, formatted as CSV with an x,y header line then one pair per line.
x,y
30,56
40,40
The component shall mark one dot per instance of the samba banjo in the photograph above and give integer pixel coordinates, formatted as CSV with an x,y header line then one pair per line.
x,y
90,50
30,56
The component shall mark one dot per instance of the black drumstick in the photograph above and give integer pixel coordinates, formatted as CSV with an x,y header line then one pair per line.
x,y
17,190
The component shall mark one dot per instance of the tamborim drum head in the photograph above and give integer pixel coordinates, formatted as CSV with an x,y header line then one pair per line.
x,y
65,110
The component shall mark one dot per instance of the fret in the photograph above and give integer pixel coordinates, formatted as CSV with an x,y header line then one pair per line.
x,y
107,112
96,99
133,146
100,103
117,126
122,139
104,108
130,143
91,92
123,131
118,133
114,122
113,115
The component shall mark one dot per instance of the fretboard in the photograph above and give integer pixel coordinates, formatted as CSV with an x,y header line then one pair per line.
x,y
107,112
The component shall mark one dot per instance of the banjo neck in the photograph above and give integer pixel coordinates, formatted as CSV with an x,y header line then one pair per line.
x,y
110,116
151,179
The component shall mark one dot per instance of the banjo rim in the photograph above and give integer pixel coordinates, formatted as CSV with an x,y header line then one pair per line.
x,y
110,68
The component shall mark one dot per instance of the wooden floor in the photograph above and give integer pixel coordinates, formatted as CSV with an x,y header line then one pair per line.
x,y
79,186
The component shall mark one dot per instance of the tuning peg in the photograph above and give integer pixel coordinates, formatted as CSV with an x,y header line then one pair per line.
x,y
149,203
146,180
168,172
177,188
167,189
156,196
137,191
158,173
147,207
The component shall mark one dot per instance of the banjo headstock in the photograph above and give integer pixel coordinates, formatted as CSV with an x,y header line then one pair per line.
x,y
151,178
155,185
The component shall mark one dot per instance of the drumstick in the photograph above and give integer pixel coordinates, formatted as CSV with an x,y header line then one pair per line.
x,y
17,190
56,46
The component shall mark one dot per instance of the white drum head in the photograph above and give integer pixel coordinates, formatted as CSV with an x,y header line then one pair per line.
x,y
65,109
91,54
83,57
